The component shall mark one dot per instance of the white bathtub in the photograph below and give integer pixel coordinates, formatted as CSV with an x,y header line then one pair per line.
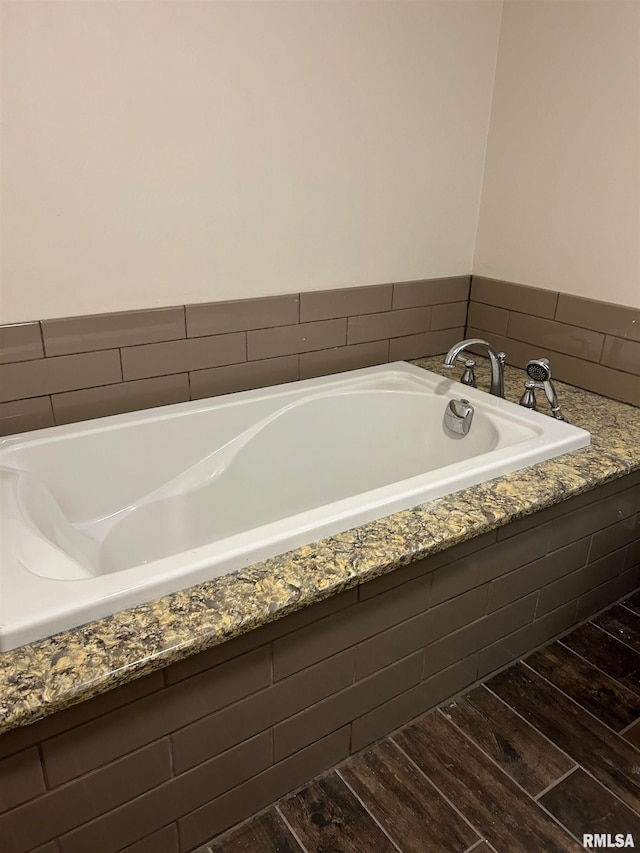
x,y
105,515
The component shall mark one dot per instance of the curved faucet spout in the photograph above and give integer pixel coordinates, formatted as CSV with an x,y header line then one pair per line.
x,y
496,359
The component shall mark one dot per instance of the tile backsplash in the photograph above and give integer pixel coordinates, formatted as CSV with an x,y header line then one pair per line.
x,y
591,344
71,369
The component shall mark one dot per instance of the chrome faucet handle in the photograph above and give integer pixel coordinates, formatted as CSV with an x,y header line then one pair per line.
x,y
469,376
528,399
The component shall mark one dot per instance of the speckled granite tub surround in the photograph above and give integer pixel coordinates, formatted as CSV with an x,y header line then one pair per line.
x,y
47,676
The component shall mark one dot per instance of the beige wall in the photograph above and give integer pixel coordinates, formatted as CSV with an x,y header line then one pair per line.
x,y
561,197
157,153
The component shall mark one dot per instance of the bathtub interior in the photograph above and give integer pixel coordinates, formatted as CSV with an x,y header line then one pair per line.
x,y
257,464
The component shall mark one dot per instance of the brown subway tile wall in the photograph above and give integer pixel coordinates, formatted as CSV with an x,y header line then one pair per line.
x,y
559,337
218,318
22,415
514,297
389,324
179,356
20,342
327,304
434,291
57,812
75,368
21,738
303,337
616,320
235,723
103,740
594,345
21,778
122,397
480,316
450,315
409,346
168,762
621,354
343,358
166,840
242,377
42,376
105,331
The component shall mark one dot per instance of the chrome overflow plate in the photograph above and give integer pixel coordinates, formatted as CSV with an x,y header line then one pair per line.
x,y
458,416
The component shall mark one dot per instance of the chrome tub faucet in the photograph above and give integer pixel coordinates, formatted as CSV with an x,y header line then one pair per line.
x,y
496,359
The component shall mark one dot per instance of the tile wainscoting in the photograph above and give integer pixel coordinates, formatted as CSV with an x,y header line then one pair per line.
x,y
594,345
60,371
65,370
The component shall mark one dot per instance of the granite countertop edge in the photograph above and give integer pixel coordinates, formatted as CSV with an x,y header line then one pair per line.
x,y
46,676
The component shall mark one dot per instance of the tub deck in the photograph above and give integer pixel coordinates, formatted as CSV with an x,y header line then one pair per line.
x,y
43,677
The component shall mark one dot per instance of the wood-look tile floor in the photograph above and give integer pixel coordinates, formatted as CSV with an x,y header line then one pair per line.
x,y
527,762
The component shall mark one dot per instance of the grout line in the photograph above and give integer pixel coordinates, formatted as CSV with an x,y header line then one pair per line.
x,y
557,781
503,772
44,348
608,790
626,728
171,757
569,697
475,845
439,792
607,634
282,817
518,714
595,666
370,813
578,765
51,409
558,822
619,639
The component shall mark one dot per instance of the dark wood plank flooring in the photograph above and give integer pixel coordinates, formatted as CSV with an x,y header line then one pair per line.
x,y
538,755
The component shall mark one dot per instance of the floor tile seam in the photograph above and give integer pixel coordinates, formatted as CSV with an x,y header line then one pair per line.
x,y
629,609
528,796
276,808
608,789
623,731
531,725
570,698
485,754
619,639
571,758
557,782
367,810
477,844
438,791
604,672
559,823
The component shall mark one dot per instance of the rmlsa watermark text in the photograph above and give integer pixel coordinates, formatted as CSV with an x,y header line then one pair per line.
x,y
604,840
